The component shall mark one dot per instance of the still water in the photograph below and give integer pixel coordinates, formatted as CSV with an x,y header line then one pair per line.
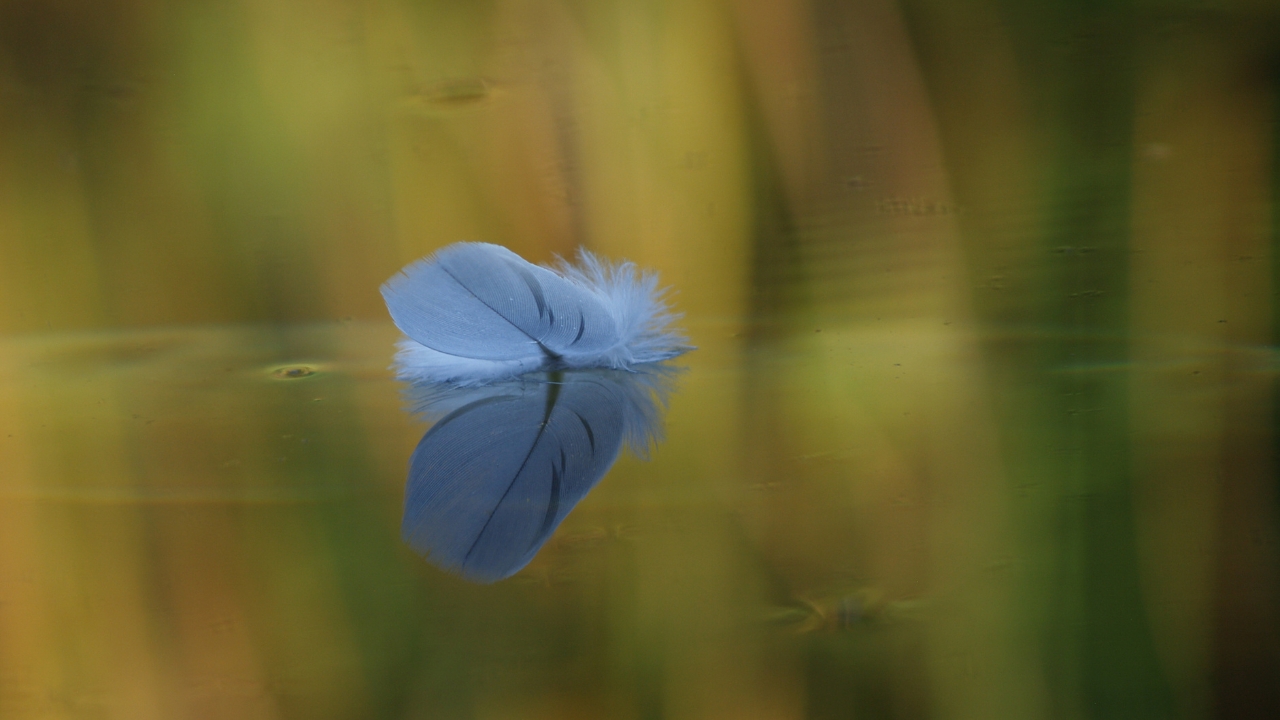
x,y
980,424
206,521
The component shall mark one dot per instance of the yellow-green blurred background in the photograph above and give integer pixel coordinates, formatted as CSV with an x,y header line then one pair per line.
x,y
982,424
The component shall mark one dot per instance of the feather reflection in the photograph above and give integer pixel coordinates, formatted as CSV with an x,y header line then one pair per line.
x,y
505,463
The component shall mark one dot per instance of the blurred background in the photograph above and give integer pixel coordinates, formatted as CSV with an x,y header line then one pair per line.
x,y
982,423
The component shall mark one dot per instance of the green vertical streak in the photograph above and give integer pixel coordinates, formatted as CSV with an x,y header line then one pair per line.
x,y
252,174
1067,434
1100,642
779,289
393,618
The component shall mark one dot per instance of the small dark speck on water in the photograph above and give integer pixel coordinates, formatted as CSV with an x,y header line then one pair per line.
x,y
293,371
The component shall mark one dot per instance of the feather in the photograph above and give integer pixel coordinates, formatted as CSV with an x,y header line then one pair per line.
x,y
474,313
492,480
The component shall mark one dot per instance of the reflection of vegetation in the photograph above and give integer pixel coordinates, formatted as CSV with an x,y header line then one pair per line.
x,y
864,608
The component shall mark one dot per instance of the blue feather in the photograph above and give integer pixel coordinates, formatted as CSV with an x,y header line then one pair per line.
x,y
474,313
492,480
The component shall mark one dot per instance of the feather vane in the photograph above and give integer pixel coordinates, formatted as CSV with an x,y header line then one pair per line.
x,y
474,313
